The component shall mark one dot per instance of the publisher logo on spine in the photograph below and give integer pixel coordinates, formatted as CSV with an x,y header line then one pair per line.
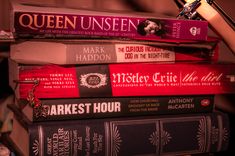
x,y
36,147
205,102
93,80
194,31
231,78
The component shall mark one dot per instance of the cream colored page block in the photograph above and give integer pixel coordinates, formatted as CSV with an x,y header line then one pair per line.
x,y
45,54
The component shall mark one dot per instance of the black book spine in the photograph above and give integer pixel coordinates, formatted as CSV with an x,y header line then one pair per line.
x,y
152,135
83,108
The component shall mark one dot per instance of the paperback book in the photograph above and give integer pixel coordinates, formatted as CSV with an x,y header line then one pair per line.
x,y
90,108
52,22
152,135
111,51
116,80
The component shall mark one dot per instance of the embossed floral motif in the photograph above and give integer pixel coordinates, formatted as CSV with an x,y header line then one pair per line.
x,y
165,138
154,138
201,135
36,147
116,141
225,134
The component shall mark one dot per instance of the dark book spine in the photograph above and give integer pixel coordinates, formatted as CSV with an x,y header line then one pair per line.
x,y
116,80
67,109
64,24
171,135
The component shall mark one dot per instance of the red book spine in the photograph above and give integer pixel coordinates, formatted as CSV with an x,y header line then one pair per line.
x,y
114,80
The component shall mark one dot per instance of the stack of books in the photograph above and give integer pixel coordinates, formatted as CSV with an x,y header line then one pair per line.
x,y
99,83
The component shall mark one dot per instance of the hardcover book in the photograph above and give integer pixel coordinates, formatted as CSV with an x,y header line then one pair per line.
x,y
50,22
116,80
152,135
88,108
111,51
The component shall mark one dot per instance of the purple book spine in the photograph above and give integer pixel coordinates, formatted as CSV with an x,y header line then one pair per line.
x,y
39,24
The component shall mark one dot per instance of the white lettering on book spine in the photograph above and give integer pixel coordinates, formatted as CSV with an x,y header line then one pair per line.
x,y
84,108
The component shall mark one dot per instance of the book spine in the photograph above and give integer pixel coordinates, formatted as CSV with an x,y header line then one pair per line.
x,y
67,109
133,136
115,80
71,25
98,53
